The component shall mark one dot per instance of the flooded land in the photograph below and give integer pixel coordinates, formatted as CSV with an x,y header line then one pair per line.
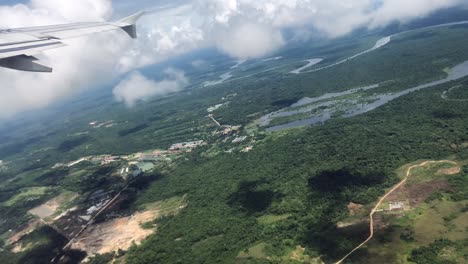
x,y
353,102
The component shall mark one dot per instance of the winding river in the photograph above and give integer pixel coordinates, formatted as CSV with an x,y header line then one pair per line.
x,y
355,108
310,63
380,43
227,77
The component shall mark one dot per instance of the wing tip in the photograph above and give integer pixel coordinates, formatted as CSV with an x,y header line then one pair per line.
x,y
128,24
131,20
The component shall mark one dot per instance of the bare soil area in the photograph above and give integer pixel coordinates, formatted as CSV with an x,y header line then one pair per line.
x,y
51,207
116,234
449,171
45,210
355,209
417,193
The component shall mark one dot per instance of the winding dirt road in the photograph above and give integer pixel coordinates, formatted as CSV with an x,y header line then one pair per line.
x,y
371,215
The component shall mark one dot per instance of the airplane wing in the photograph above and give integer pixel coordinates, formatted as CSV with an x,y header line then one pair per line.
x,y
17,46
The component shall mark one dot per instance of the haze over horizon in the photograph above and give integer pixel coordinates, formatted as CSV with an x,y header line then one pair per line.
x,y
241,29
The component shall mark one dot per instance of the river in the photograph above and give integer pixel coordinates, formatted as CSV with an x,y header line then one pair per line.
x,y
355,107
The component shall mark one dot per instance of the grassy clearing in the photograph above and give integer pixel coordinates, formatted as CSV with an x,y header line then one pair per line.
x,y
271,219
292,255
441,219
205,243
425,224
428,173
66,200
168,207
387,248
28,194
170,204
256,252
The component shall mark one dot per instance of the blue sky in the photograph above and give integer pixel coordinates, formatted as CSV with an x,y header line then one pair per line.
x,y
11,2
121,7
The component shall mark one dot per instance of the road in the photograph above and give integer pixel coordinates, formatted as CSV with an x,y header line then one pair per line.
x,y
371,215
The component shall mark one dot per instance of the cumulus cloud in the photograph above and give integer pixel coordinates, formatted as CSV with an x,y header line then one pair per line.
x,y
137,87
403,11
246,41
247,29
84,63
198,64
243,29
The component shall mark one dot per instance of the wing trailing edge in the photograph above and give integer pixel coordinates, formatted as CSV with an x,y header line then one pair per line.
x,y
24,63
18,45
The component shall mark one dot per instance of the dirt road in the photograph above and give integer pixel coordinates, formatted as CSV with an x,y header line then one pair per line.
x,y
371,215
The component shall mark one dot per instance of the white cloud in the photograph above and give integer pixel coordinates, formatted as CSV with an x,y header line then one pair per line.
x,y
164,34
137,87
252,29
84,11
242,29
85,63
249,40
404,11
199,64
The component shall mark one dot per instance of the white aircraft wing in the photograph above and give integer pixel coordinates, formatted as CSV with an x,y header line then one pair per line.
x,y
18,45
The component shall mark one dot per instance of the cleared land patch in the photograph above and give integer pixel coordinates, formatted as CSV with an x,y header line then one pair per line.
x,y
270,219
396,199
292,255
122,232
441,219
116,234
54,206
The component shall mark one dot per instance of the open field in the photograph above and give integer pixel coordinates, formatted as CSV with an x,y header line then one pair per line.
x,y
410,220
28,194
55,206
271,219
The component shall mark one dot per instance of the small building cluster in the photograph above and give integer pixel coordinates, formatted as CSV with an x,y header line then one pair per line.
x,y
96,124
216,107
396,206
186,146
228,130
59,165
239,139
101,159
107,159
229,96
130,171
2,165
151,156
247,149
73,163
98,199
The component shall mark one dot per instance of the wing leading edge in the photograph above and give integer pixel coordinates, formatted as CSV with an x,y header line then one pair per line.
x,y
17,46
